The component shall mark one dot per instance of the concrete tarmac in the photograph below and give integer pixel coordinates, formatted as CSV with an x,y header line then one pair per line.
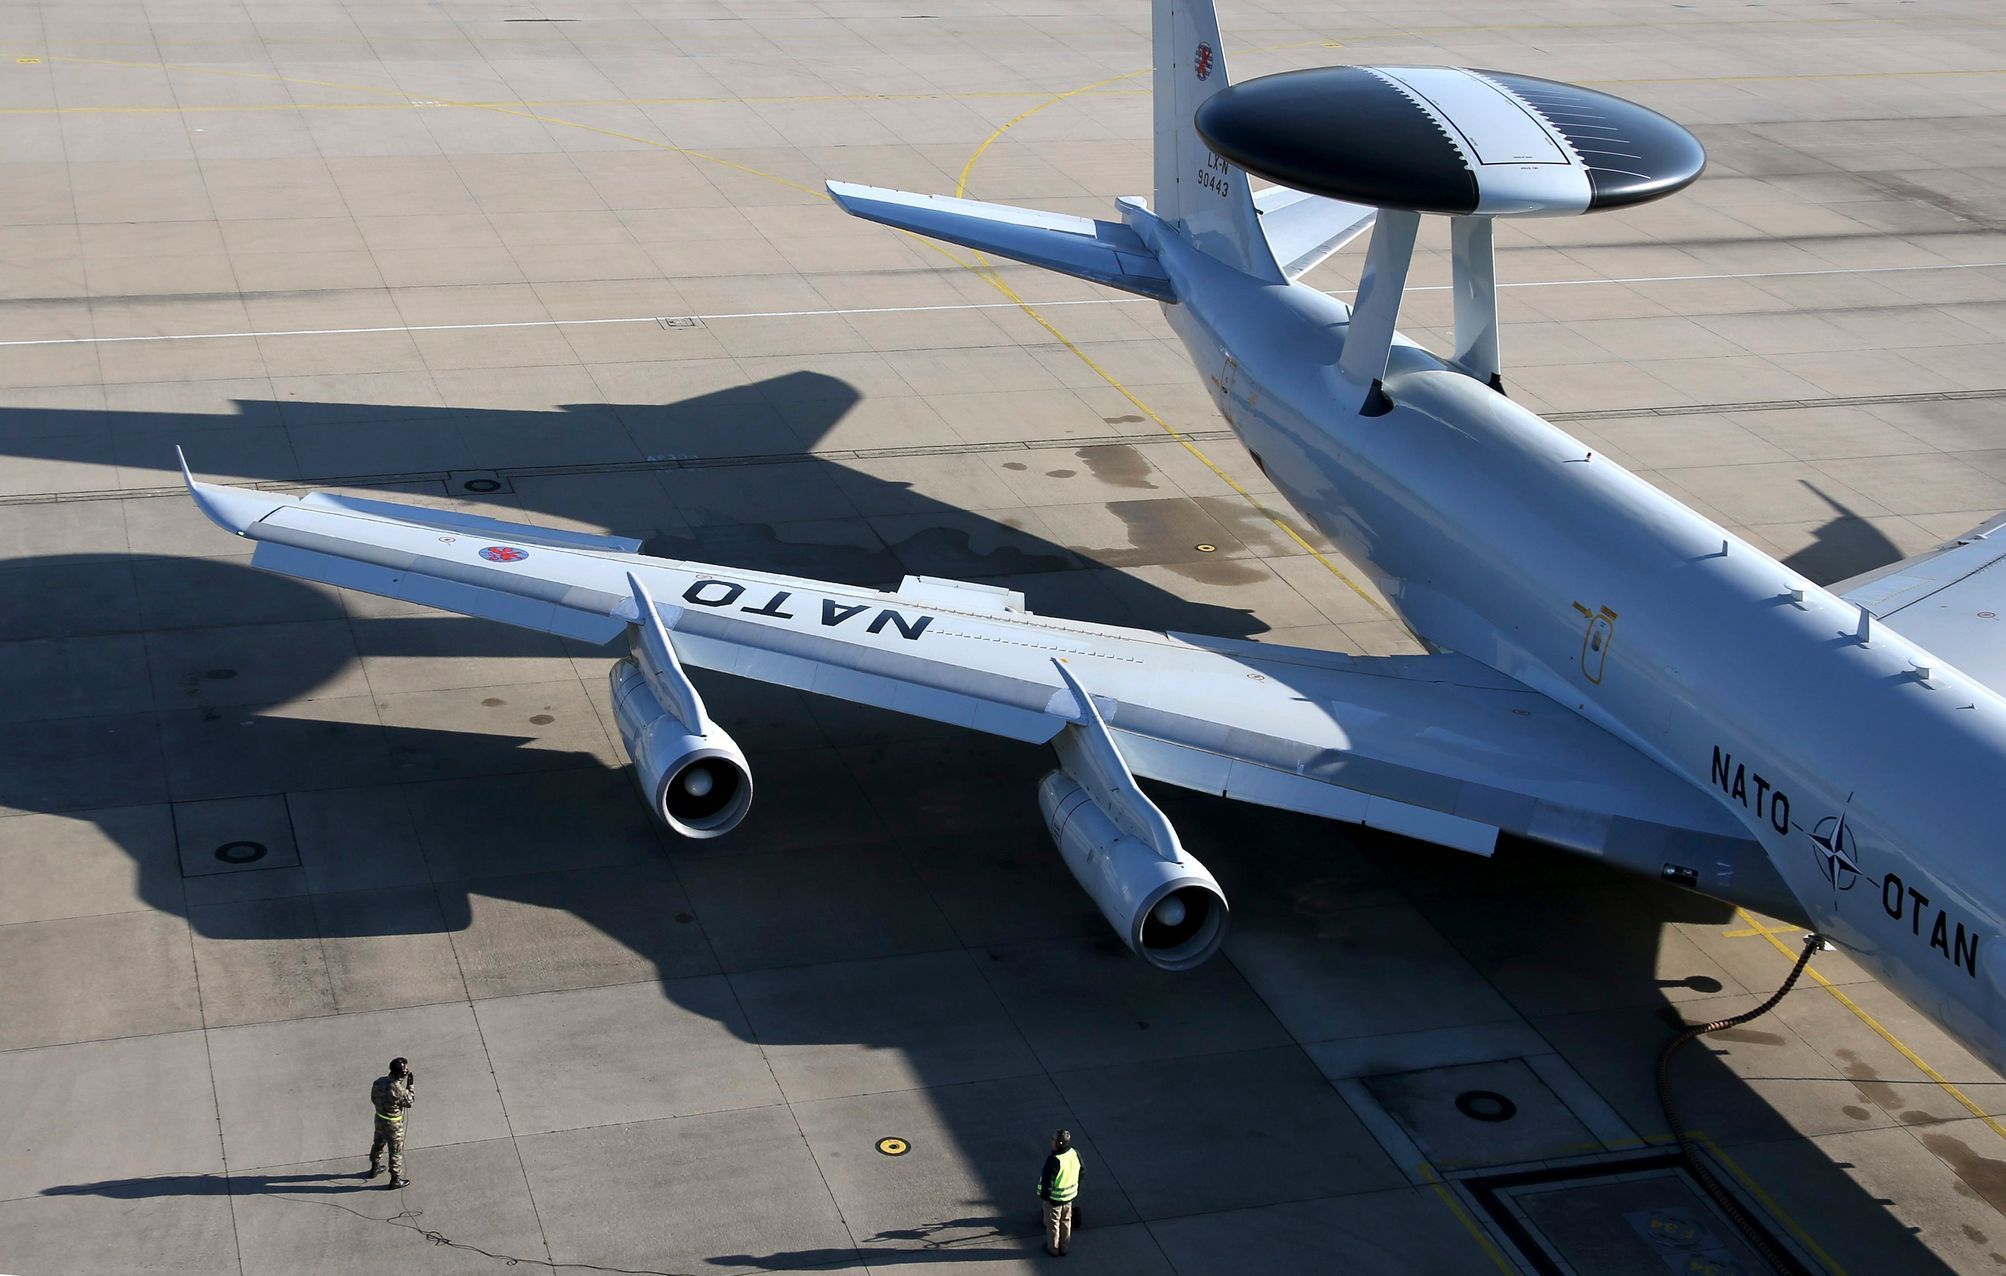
x,y
569,263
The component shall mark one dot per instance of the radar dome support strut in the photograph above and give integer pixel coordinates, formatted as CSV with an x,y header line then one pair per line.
x,y
1474,277
1368,342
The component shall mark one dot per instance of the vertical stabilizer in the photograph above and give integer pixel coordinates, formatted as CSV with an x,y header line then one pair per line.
x,y
1197,190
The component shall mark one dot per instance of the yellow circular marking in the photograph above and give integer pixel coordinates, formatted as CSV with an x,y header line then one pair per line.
x,y
894,1147
1208,549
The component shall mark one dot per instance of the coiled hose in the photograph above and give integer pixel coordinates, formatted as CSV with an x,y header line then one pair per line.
x,y
1756,1235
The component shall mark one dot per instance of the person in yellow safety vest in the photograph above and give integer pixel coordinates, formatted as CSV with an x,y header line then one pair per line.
x,y
389,1096
1058,1187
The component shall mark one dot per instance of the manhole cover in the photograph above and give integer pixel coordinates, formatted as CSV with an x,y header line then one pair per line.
x,y
1485,1105
241,852
477,482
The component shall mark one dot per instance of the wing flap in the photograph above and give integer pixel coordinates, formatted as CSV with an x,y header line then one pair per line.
x,y
1101,251
1265,786
749,655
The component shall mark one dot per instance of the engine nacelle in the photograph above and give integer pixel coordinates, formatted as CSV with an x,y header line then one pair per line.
x,y
1169,911
696,782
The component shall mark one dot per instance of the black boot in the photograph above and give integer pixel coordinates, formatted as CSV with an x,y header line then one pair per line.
x,y
397,1181
374,1170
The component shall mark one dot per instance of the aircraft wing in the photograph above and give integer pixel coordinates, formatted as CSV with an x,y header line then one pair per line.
x,y
1304,229
1948,601
1436,747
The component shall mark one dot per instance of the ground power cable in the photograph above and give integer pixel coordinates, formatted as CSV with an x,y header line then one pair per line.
x,y
1740,1215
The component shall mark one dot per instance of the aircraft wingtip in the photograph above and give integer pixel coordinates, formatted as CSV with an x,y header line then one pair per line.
x,y
226,507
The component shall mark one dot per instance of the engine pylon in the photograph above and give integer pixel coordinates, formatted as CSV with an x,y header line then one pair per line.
x,y
691,771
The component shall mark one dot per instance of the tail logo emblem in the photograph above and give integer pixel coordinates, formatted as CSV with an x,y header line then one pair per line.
x,y
504,554
1203,61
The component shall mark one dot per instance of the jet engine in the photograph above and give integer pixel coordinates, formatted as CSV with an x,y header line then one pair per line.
x,y
696,782
1168,911
1165,906
692,773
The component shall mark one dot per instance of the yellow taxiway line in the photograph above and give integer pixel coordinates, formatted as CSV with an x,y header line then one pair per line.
x,y
1881,1030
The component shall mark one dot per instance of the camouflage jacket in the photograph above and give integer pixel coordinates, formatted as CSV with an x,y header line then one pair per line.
x,y
390,1096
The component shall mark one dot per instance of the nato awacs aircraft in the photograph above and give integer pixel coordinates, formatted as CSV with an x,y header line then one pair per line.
x,y
1610,672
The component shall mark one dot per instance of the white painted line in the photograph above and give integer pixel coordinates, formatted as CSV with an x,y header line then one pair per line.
x,y
1385,1131
1751,274
973,305
560,323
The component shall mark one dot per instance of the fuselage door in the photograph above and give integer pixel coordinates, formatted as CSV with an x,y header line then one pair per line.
x,y
1595,642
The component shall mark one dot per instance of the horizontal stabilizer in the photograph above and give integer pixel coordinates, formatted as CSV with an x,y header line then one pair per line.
x,y
1946,601
1104,252
1304,229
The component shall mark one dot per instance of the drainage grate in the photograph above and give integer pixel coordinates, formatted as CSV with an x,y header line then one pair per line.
x,y
1638,1216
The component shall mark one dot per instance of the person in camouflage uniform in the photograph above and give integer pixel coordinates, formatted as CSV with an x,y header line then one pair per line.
x,y
390,1096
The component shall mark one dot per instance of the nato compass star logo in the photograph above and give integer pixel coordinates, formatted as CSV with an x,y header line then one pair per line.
x,y
504,554
1835,852
1202,63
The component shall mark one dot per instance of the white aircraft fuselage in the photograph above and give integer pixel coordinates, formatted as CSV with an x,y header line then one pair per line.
x,y
1494,534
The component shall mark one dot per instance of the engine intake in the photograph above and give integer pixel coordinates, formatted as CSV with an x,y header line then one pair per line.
x,y
697,783
1169,911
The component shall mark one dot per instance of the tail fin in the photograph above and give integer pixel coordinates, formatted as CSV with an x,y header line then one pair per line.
x,y
1196,190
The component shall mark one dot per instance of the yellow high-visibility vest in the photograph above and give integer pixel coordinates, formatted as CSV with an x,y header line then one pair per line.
x,y
1066,1183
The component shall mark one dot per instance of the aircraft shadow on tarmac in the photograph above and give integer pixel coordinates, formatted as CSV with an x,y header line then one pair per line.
x,y
1843,547
951,817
